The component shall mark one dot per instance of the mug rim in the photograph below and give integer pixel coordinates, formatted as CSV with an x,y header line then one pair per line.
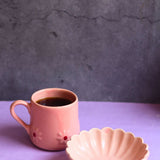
x,y
56,107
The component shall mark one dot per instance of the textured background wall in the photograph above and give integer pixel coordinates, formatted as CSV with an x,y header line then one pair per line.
x,y
104,50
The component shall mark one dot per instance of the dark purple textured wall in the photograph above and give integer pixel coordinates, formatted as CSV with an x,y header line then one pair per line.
x,y
105,50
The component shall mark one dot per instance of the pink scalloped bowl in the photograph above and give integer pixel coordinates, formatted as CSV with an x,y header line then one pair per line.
x,y
106,144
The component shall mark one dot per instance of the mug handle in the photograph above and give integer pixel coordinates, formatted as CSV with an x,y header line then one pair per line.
x,y
14,115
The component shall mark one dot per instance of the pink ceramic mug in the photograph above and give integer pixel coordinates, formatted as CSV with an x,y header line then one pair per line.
x,y
50,127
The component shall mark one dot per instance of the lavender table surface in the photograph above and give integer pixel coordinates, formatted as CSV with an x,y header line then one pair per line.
x,y
141,119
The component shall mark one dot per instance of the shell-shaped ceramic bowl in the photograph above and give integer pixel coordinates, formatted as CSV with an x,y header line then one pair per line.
x,y
106,144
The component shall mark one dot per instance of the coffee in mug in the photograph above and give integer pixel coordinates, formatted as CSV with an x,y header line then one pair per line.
x,y
54,101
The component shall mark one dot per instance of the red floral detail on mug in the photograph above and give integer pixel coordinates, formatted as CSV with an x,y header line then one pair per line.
x,y
63,137
36,135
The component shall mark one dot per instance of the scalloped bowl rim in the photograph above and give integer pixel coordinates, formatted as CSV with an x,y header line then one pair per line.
x,y
103,130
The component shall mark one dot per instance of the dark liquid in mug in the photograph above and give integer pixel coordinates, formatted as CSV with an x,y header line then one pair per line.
x,y
54,101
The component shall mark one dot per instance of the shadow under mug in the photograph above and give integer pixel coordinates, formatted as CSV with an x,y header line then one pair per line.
x,y
50,127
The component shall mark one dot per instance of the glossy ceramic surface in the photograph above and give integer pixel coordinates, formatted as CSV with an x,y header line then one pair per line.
x,y
106,144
